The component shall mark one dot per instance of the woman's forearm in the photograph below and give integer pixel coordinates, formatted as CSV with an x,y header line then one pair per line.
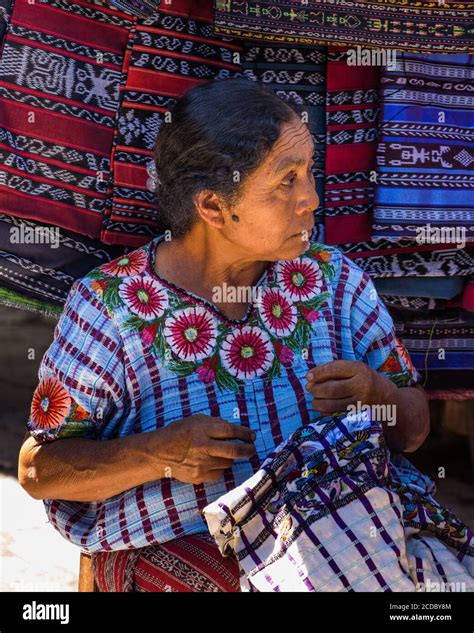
x,y
410,425
78,469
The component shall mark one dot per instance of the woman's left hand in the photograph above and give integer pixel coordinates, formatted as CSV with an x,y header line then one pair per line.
x,y
340,383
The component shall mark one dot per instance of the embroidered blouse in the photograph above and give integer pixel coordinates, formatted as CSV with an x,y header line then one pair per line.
x,y
132,353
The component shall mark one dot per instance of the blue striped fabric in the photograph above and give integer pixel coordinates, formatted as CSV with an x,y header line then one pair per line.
x,y
118,367
425,154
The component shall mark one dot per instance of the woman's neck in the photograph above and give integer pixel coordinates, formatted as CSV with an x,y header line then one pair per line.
x,y
202,266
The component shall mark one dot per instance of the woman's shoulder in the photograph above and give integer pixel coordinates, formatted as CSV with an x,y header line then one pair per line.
x,y
104,283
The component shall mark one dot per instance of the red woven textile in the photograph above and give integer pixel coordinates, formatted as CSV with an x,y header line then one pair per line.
x,y
187,564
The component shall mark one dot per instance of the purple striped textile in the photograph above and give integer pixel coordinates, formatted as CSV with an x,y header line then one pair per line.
x,y
331,510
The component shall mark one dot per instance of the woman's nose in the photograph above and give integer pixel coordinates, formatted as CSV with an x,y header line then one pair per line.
x,y
310,202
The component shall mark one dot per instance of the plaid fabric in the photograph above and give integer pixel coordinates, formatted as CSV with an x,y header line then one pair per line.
x,y
114,368
330,511
423,26
187,564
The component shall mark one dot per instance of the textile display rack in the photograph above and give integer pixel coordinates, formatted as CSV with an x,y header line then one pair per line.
x,y
84,87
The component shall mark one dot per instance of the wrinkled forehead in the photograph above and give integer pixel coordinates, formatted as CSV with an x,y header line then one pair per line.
x,y
295,140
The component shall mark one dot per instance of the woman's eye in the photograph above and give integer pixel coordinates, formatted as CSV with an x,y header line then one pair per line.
x,y
289,181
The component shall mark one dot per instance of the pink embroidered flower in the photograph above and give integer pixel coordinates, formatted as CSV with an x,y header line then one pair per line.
x,y
191,333
301,279
148,334
277,312
285,354
144,296
50,404
247,353
207,371
310,315
131,264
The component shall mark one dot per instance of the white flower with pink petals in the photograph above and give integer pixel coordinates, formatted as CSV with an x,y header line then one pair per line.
x,y
247,353
191,333
144,296
277,312
300,279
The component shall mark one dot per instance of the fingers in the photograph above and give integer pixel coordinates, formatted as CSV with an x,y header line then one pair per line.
x,y
332,389
334,370
230,450
331,406
222,430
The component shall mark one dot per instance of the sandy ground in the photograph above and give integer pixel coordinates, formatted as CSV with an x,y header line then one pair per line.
x,y
33,556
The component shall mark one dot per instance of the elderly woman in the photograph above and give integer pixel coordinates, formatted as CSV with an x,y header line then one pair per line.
x,y
168,385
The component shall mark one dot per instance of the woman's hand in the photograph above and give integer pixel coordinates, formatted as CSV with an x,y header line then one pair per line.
x,y
336,385
404,413
197,449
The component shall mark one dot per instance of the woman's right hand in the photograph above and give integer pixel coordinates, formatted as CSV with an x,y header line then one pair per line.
x,y
197,449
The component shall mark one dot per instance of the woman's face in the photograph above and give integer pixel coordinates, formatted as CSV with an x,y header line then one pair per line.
x,y
278,200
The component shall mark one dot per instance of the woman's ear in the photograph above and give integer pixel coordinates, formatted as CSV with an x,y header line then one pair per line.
x,y
210,208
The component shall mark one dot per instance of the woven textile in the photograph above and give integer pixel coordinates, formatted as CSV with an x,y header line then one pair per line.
x,y
352,110
187,564
331,510
122,365
83,89
401,24
39,263
425,188
441,346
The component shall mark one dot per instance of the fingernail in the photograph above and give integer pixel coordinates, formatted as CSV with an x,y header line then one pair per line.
x,y
309,376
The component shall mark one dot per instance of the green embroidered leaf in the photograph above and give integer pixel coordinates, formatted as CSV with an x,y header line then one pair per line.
x,y
134,322
95,273
316,302
159,344
327,270
181,367
111,296
301,334
225,381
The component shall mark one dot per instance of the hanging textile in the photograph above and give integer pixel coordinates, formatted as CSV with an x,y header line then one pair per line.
x,y
415,26
425,187
83,89
296,73
352,108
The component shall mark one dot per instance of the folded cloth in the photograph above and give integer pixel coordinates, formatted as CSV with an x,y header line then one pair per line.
x,y
407,259
425,185
431,287
412,304
441,347
39,263
331,510
421,26
450,394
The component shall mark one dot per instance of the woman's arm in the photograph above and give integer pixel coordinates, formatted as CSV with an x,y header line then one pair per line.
x,y
194,450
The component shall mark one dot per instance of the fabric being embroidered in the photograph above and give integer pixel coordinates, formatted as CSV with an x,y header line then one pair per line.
x,y
331,510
